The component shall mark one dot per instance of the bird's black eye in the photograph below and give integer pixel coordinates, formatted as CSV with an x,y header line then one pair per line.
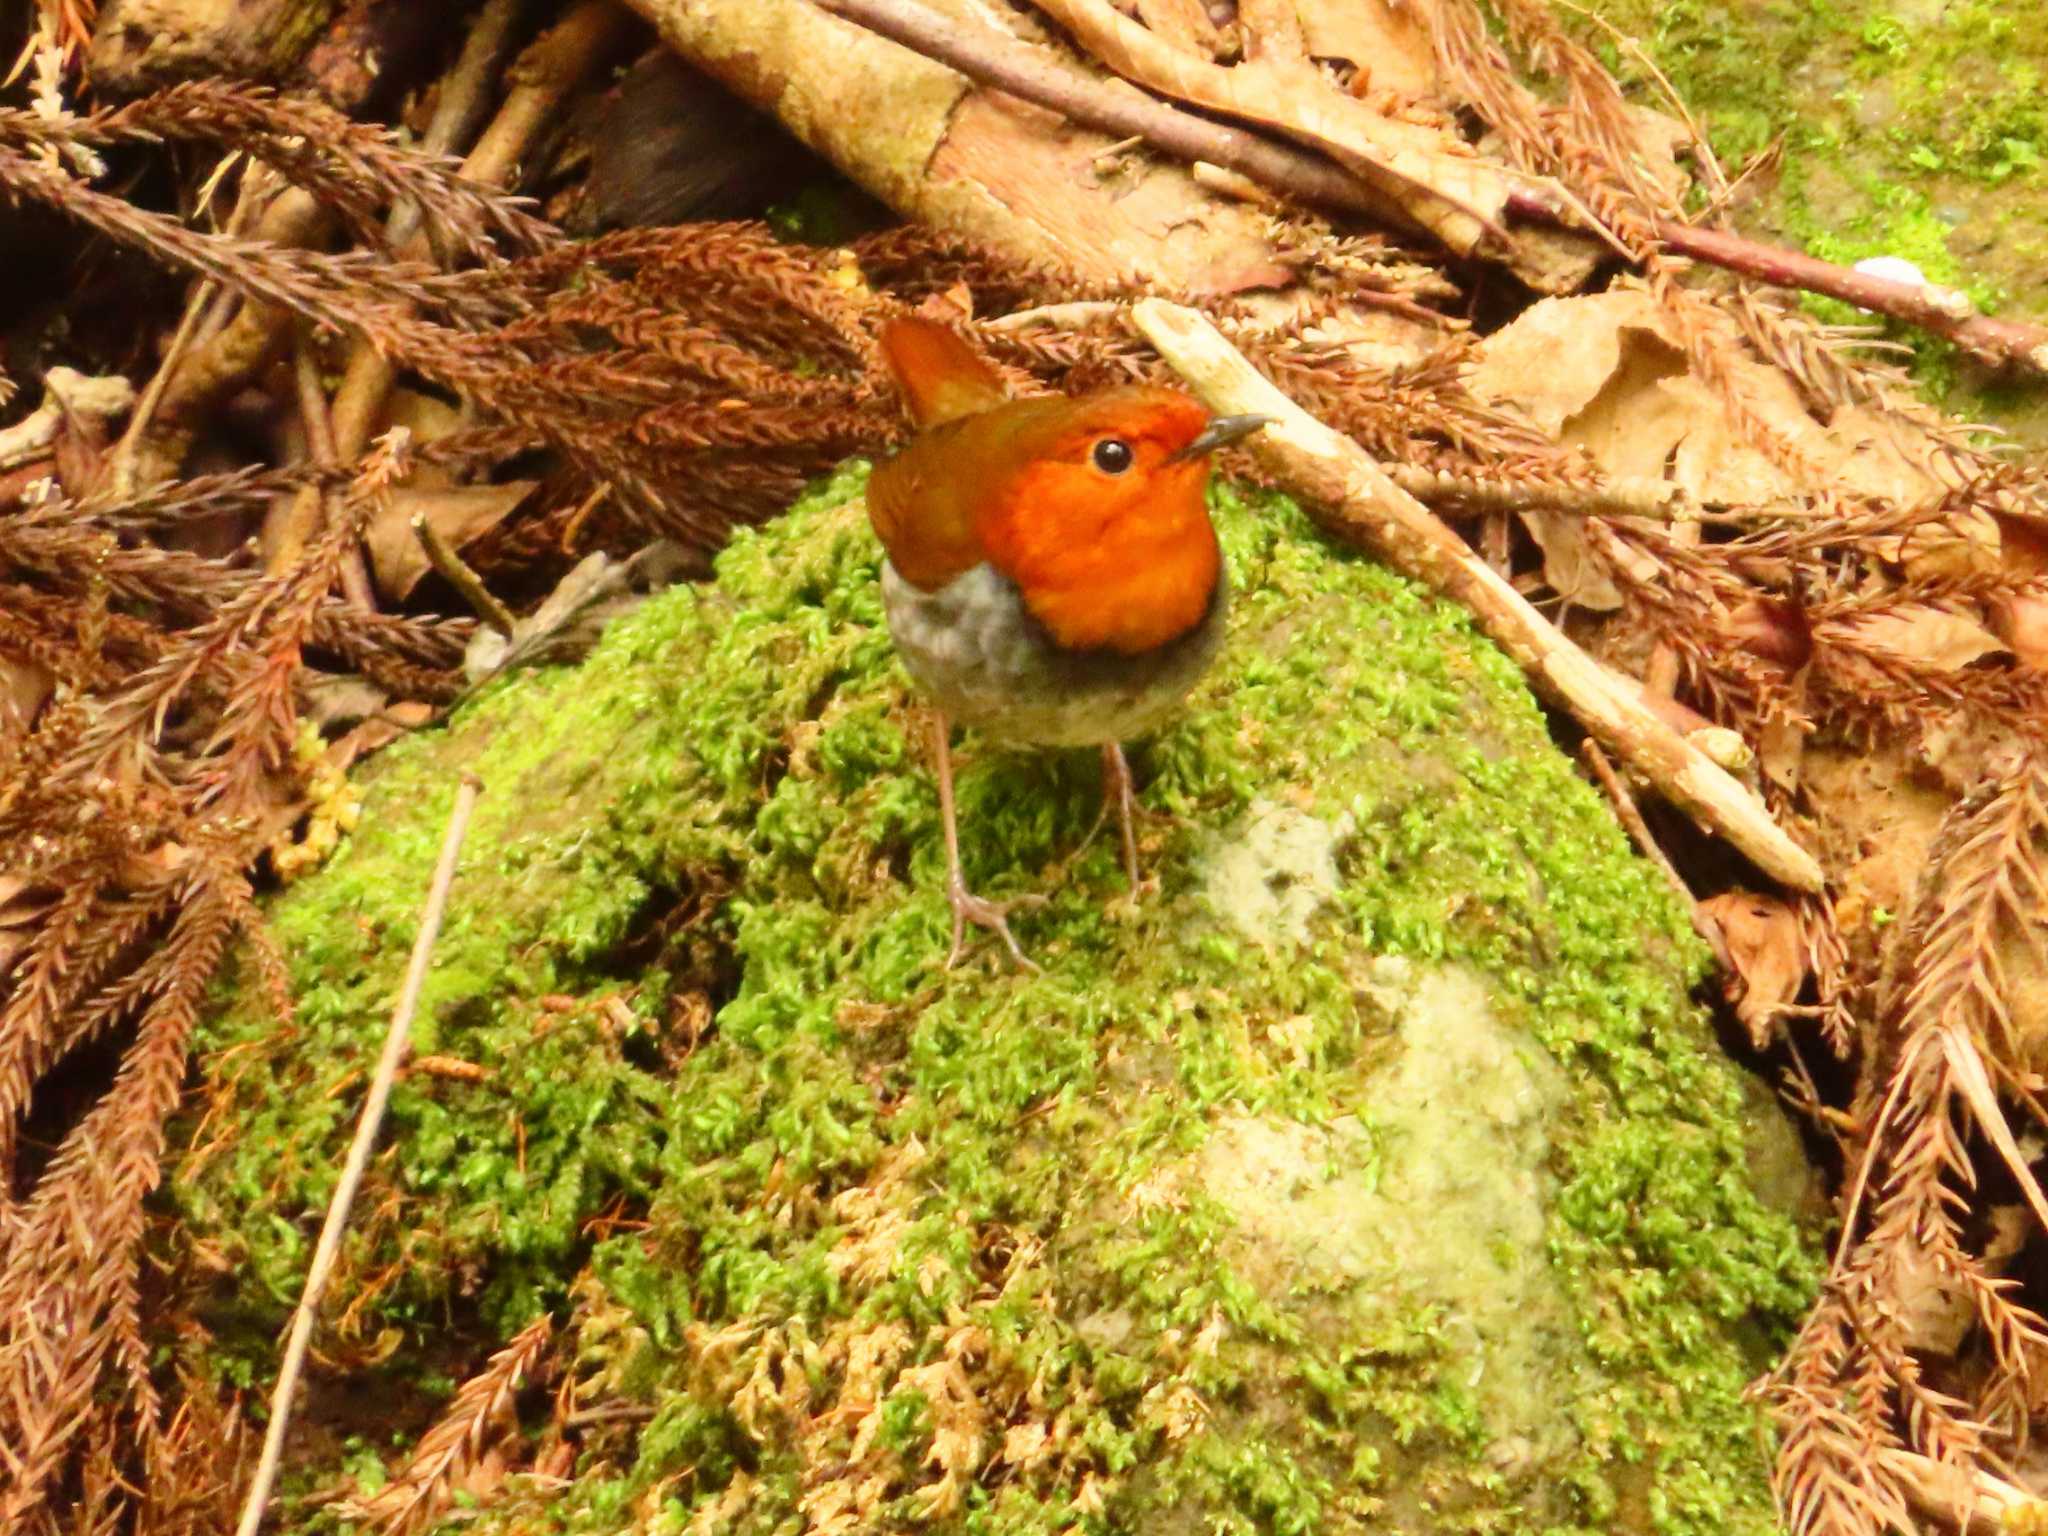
x,y
1112,455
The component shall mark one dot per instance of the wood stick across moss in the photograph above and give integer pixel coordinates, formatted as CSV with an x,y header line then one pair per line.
x,y
1352,497
396,1042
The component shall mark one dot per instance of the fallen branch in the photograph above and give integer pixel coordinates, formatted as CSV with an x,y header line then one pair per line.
x,y
1352,497
367,1125
987,56
1944,311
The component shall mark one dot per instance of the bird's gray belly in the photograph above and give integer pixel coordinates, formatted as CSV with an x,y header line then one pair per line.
x,y
975,648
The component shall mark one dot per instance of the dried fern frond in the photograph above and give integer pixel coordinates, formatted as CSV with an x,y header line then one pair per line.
x,y
481,1410
1853,1384
358,292
142,803
356,169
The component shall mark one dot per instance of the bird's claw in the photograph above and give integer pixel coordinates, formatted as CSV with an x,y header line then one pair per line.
x,y
992,915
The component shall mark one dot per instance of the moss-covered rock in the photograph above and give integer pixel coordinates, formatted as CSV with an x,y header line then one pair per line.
x,y
1374,1171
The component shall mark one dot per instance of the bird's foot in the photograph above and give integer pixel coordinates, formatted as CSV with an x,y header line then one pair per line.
x,y
983,913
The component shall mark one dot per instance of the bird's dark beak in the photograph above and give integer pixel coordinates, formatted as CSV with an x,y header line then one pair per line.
x,y
1221,431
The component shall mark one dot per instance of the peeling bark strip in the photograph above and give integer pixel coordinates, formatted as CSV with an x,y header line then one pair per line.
x,y
975,162
1350,495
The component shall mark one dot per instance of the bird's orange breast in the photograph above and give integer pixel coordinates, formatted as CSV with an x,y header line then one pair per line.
x,y
1124,569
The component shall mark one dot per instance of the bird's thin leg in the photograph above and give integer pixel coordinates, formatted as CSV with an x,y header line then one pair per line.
x,y
968,907
1116,785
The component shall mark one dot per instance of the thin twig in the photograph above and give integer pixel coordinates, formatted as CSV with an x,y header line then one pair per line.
x,y
1353,498
1944,311
257,181
609,1413
461,577
319,429
367,377
464,95
1632,818
367,1126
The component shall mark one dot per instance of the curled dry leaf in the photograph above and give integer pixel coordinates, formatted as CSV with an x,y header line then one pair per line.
x,y
378,731
71,400
2019,617
1765,947
1778,632
1385,42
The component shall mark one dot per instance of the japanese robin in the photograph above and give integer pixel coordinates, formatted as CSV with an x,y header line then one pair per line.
x,y
1052,578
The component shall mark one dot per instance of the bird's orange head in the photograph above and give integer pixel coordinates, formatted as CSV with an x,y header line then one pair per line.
x,y
1095,507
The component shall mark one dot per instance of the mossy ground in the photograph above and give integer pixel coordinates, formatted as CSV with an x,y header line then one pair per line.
x,y
1913,128
871,1242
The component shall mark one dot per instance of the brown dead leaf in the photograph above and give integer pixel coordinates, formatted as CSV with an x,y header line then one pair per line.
x,y
87,408
1605,371
379,731
2011,1226
429,418
458,513
1778,631
2022,545
25,686
1570,568
1553,361
1932,1311
1388,44
2020,620
1184,23
1923,632
1764,945
1781,741
1952,548
1773,630
21,908
334,699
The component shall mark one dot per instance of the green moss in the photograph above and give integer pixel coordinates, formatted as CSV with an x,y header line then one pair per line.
x,y
1909,128
1141,1241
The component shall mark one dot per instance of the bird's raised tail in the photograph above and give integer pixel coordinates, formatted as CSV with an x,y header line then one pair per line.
x,y
942,378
